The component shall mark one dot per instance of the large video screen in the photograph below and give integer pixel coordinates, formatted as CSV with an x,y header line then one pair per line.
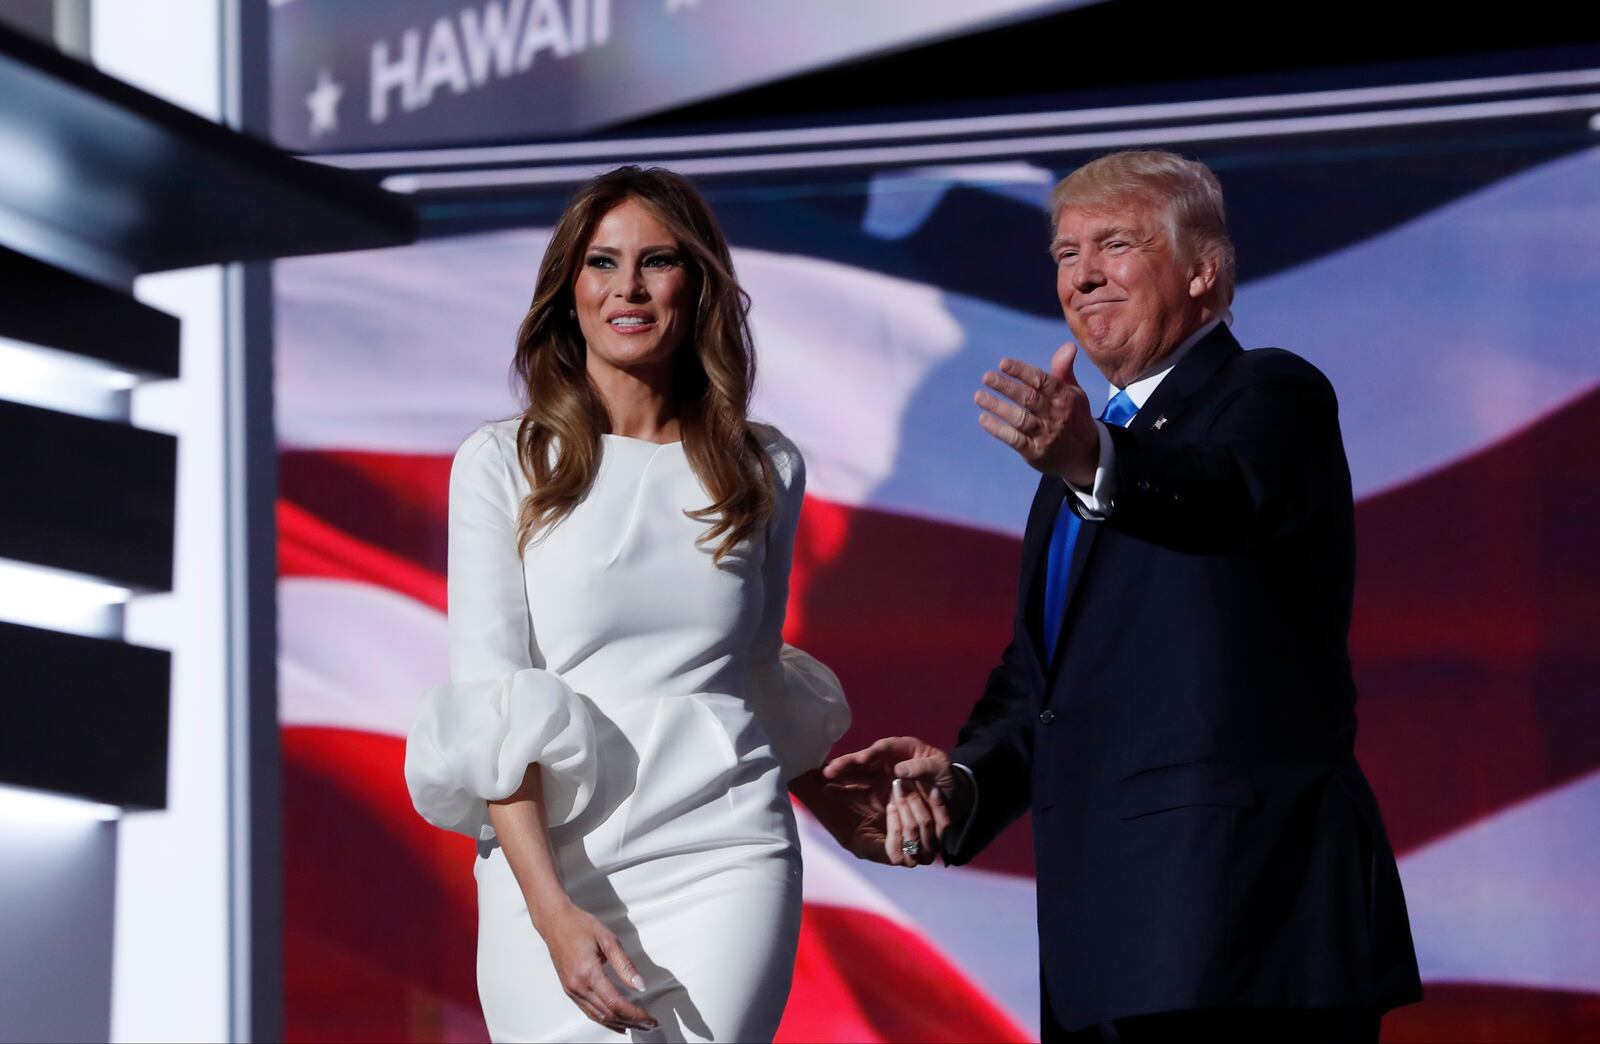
x,y
406,73
1442,273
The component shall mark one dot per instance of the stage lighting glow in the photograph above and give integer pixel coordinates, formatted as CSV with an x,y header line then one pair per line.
x,y
996,148
38,596
62,381
20,805
33,167
959,126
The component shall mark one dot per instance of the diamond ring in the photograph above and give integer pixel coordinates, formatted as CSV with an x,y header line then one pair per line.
x,y
911,846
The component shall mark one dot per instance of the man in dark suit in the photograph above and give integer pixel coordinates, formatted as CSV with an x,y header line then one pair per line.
x,y
1176,705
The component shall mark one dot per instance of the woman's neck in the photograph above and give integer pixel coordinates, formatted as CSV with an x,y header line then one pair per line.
x,y
639,403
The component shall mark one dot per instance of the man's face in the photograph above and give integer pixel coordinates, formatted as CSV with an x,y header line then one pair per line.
x,y
1127,296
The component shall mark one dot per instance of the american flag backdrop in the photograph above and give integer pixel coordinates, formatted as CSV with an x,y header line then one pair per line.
x,y
1452,296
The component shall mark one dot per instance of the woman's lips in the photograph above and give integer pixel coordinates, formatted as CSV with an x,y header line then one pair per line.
x,y
629,323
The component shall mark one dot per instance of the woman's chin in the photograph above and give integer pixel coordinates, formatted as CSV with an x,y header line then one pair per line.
x,y
635,353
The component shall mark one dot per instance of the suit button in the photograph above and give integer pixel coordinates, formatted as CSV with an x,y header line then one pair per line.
x,y
1046,716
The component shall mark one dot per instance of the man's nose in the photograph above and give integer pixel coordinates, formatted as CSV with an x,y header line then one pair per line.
x,y
1087,276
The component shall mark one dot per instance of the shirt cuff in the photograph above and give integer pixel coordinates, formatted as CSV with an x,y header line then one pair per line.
x,y
960,832
1098,500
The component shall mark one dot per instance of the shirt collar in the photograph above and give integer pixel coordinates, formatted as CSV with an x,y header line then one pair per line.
x,y
1141,390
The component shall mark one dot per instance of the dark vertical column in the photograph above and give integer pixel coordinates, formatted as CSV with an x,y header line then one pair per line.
x,y
252,462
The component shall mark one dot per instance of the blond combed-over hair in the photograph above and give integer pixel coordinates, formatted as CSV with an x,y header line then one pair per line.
x,y
1185,191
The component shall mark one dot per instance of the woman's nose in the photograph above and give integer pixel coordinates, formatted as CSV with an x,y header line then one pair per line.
x,y
630,286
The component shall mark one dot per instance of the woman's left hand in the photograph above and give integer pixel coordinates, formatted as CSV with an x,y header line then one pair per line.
x,y
916,820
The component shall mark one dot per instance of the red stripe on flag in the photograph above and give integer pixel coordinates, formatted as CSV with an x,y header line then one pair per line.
x,y
862,977
396,501
380,909
308,546
1468,1013
1476,637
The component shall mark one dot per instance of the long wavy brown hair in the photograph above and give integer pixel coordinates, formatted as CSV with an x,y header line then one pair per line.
x,y
558,441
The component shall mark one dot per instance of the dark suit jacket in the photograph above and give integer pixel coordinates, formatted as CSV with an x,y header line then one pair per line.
x,y
1204,837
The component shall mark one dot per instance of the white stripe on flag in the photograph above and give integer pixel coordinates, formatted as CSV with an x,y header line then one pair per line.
x,y
353,655
1511,899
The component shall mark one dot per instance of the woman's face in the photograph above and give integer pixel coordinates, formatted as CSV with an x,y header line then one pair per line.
x,y
633,293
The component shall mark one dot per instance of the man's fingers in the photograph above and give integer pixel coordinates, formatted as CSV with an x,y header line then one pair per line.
x,y
1029,374
848,764
892,744
1002,431
855,757
938,808
928,768
1010,412
867,763
1019,392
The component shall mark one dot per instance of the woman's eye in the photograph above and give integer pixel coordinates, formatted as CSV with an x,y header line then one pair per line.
x,y
600,261
660,261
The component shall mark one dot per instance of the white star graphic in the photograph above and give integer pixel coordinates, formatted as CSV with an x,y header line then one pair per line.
x,y
324,104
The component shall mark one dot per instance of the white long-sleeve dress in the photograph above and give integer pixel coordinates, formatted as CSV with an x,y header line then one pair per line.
x,y
654,690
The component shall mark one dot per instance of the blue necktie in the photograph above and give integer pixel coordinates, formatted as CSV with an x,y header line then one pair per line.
x,y
1119,411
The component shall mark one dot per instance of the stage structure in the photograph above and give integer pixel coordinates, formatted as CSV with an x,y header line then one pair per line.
x,y
103,183
1422,231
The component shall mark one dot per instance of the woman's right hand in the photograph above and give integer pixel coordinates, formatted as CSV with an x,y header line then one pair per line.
x,y
581,947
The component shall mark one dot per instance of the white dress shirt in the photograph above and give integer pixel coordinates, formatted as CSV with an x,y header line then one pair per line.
x,y
1099,499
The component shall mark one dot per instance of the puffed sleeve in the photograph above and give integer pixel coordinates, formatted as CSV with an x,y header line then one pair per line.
x,y
798,700
473,739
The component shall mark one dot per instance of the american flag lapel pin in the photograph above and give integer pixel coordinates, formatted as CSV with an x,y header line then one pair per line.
x,y
1160,422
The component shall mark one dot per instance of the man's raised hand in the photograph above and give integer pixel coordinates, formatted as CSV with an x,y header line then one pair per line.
x,y
1043,415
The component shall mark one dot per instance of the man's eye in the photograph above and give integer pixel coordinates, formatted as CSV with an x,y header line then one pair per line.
x,y
1066,256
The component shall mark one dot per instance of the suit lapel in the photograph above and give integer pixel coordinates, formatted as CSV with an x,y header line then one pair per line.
x,y
1159,413
1193,372
1035,539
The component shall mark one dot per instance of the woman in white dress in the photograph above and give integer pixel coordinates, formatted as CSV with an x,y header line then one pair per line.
x,y
623,720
